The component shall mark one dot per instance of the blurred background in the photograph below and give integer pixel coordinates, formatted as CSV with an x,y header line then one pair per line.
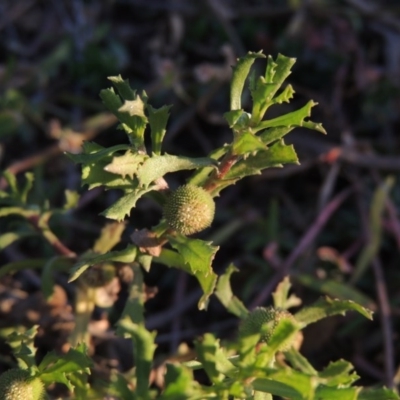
x,y
331,223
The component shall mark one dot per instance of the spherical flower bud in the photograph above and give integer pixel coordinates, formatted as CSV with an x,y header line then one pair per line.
x,y
255,320
189,209
17,384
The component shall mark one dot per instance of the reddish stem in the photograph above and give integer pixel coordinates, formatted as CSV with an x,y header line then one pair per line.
x,y
226,164
51,237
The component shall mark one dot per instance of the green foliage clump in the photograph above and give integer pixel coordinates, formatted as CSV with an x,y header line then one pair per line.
x,y
17,384
189,209
240,370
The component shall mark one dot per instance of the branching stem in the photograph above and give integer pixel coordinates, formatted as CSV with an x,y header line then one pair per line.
x,y
226,164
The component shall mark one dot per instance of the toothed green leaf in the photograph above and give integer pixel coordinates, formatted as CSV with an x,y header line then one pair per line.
x,y
277,155
127,164
326,307
245,142
294,118
157,166
225,295
240,72
123,87
158,119
193,264
123,206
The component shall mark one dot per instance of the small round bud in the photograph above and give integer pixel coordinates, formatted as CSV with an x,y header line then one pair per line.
x,y
190,209
17,384
254,322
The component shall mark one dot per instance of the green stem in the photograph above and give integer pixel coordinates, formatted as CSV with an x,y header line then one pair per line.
x,y
84,305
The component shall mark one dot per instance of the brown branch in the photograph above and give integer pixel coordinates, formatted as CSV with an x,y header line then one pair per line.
x,y
315,228
226,164
30,162
40,224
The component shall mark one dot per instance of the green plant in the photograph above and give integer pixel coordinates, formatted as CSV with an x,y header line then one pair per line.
x,y
28,379
249,367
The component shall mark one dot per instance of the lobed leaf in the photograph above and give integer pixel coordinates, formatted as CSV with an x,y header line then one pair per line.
x,y
157,166
281,295
338,373
271,135
294,118
123,87
207,354
299,362
340,290
122,207
196,253
205,275
180,385
299,381
335,393
158,119
240,73
23,346
129,112
54,368
93,154
127,164
326,307
264,90
246,142
279,153
276,388
94,175
225,295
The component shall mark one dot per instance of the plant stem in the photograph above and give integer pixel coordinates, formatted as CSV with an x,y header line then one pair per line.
x,y
41,224
84,305
226,164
